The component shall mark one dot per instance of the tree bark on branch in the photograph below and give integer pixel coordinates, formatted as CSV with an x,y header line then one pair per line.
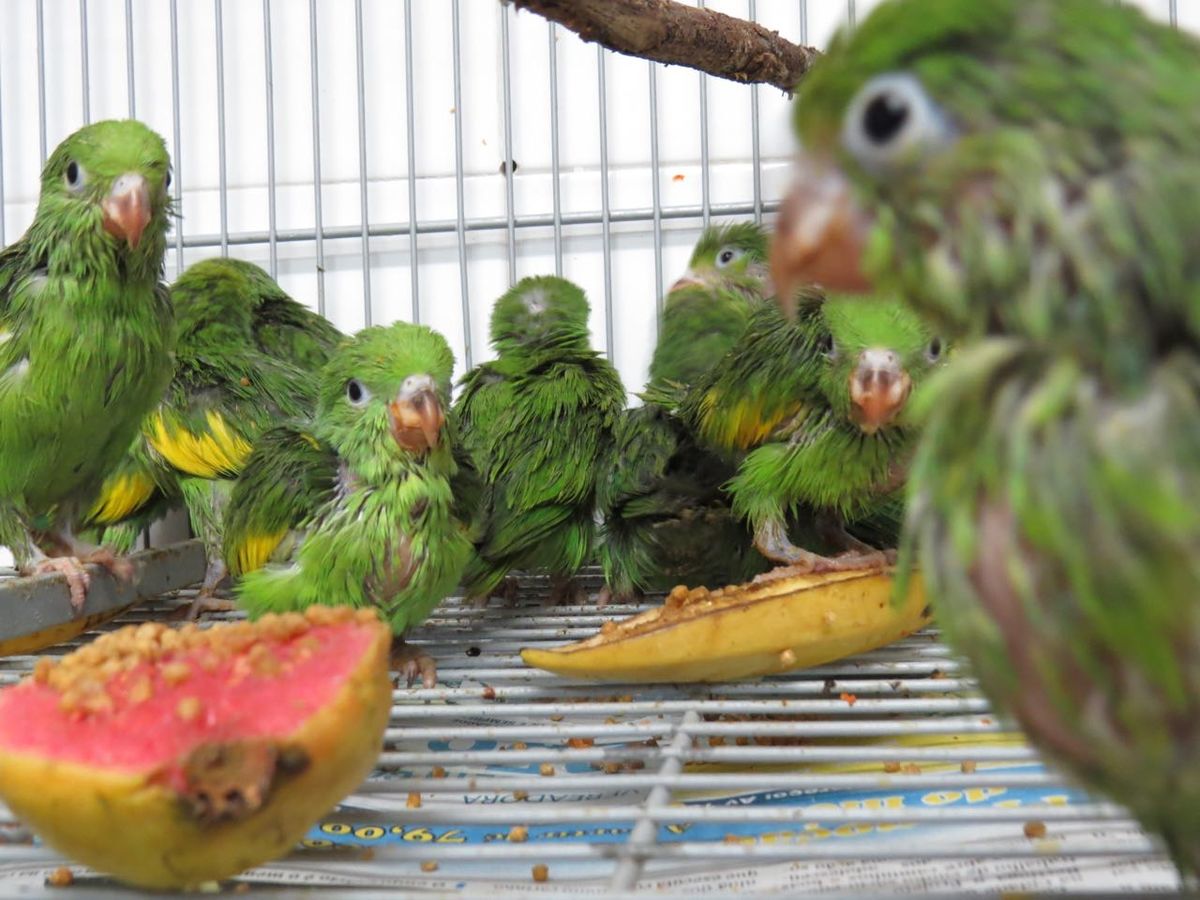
x,y
669,32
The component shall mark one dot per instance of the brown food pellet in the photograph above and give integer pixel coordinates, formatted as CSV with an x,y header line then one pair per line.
x,y
1034,830
368,854
848,699
414,800
520,795
437,772
556,718
519,745
546,769
578,743
188,708
612,768
429,866
716,741
911,769
489,692
891,766
968,766
541,872
518,834
60,877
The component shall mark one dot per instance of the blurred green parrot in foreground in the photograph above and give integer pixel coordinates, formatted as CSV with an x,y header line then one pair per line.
x,y
536,423
358,508
246,357
1023,173
86,337
666,519
840,454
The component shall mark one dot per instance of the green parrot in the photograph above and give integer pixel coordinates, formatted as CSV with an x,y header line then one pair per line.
x,y
86,337
358,508
665,518
246,353
839,455
1023,173
536,423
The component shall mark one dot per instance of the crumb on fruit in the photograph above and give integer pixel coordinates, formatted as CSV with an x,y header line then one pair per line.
x,y
518,834
60,877
541,872
188,708
787,657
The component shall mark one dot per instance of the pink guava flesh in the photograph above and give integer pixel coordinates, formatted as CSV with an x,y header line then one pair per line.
x,y
163,710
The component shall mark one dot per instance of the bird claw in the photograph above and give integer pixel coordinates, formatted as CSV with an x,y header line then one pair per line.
x,y
412,663
70,568
565,592
206,601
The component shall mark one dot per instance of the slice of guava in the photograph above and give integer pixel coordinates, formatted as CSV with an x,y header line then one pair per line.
x,y
170,757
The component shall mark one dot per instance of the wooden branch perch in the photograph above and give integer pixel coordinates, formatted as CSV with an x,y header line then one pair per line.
x,y
669,32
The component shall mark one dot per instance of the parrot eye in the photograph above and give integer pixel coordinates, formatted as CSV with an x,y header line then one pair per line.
x,y
729,255
933,352
75,177
892,121
357,393
827,347
167,181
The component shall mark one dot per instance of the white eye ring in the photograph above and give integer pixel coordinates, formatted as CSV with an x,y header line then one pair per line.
x,y
728,255
75,176
356,393
892,123
934,349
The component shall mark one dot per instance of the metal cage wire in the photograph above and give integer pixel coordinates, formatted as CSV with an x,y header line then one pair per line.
x,y
644,773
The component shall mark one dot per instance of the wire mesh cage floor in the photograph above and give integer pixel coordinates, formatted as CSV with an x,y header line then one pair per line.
x,y
884,773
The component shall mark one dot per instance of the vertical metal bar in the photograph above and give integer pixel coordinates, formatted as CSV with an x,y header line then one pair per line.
x,y
362,158
273,249
129,57
221,182
176,163
508,145
851,15
41,81
410,109
804,21
755,146
555,167
645,832
1173,13
316,137
605,224
460,193
705,199
3,206
83,61
656,189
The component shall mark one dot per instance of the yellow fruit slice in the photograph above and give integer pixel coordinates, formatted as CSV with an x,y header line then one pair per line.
x,y
777,622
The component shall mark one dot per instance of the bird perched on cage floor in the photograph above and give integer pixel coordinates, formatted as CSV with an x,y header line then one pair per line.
x,y
665,518
535,423
245,357
358,508
838,455
85,340
1024,174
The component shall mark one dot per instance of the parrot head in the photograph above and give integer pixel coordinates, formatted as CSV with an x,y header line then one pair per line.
x,y
874,352
109,183
978,158
384,393
728,255
540,311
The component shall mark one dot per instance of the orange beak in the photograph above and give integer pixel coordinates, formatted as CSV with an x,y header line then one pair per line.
x,y
127,208
819,237
687,279
417,416
879,388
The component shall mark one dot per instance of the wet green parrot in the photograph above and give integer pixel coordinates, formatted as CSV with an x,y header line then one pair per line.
x,y
839,456
666,519
357,508
246,357
536,423
1024,173
86,337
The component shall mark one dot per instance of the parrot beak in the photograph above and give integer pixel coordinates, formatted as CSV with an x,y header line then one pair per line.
x,y
879,388
127,208
687,279
819,237
417,415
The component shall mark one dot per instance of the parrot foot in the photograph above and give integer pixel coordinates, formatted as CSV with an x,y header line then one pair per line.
x,y
607,595
507,591
120,567
772,542
207,601
565,591
78,579
412,663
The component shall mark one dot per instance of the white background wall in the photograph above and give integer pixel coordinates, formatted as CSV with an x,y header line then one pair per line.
x,y
132,41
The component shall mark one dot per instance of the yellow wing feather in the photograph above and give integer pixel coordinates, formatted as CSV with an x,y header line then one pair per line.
x,y
219,451
255,551
121,497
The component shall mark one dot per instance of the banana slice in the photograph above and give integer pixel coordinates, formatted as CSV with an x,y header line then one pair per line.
x,y
777,622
